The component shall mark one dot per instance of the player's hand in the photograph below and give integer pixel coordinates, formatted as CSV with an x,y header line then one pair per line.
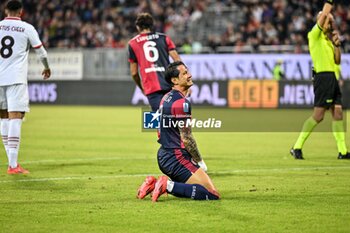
x,y
46,73
203,165
336,38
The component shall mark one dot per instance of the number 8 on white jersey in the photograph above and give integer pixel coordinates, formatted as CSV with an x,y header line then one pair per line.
x,y
16,37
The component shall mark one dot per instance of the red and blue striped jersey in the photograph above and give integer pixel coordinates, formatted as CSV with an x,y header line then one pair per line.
x,y
151,52
175,112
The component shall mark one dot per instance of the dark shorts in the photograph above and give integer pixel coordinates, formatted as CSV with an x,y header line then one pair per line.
x,y
176,164
155,98
326,89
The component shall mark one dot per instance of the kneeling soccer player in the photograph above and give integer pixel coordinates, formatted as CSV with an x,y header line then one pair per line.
x,y
178,157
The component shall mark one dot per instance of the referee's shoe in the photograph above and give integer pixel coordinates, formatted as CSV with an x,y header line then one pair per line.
x,y
346,156
296,153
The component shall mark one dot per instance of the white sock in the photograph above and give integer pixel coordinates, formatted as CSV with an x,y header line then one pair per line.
x,y
14,137
4,133
169,186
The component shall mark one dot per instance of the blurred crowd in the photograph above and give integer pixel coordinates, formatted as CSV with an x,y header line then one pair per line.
x,y
190,23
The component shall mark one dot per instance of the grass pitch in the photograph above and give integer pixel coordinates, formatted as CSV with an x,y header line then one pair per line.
x,y
86,164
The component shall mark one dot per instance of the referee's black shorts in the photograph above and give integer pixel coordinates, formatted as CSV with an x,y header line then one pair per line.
x,y
326,89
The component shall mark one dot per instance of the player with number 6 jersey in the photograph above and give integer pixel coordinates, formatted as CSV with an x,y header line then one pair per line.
x,y
16,37
149,56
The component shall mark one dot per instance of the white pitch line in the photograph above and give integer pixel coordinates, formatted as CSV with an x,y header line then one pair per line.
x,y
82,160
144,175
76,178
282,169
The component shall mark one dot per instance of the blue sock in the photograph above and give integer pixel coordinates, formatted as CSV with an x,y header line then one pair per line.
x,y
194,191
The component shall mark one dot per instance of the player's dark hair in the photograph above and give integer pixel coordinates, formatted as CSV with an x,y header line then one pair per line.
x,y
14,5
172,71
144,21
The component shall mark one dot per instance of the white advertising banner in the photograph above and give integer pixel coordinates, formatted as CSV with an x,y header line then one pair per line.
x,y
64,66
254,66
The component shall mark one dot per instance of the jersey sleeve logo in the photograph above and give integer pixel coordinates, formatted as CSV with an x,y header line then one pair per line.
x,y
186,107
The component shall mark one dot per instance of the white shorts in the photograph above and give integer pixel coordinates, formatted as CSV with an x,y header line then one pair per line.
x,y
14,98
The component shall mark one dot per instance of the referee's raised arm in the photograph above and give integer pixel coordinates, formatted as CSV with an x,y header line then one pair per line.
x,y
322,18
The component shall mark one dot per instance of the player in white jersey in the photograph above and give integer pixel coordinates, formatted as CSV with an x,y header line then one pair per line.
x,y
16,37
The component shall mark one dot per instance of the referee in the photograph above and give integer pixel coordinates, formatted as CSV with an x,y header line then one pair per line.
x,y
324,46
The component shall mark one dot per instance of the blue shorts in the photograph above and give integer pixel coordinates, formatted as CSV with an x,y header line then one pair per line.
x,y
155,98
176,164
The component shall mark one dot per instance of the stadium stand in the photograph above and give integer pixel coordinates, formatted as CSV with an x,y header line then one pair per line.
x,y
202,26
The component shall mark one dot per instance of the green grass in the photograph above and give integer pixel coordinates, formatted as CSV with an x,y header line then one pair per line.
x,y
86,164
